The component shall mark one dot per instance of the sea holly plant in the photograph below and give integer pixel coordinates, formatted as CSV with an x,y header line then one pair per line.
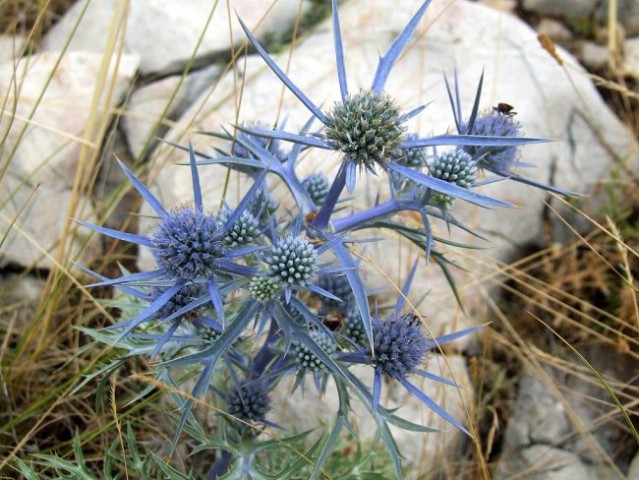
x,y
248,294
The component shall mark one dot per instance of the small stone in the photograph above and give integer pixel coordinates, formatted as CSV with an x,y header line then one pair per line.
x,y
568,9
11,47
507,6
594,56
149,108
556,30
631,56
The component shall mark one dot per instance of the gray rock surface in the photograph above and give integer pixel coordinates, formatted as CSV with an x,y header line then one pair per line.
x,y
10,47
593,55
543,462
164,33
627,15
631,56
466,36
46,141
152,109
566,415
569,9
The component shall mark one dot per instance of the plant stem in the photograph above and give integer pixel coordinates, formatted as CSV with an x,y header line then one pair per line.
x,y
355,220
328,207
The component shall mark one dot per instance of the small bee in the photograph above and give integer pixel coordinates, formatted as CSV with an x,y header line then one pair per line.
x,y
505,109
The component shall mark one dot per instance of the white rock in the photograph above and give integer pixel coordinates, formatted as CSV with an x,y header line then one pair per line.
x,y
45,146
305,410
594,56
631,56
166,33
465,36
507,6
543,462
571,9
160,101
633,471
11,47
554,29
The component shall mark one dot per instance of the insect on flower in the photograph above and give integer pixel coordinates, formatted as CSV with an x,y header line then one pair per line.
x,y
505,109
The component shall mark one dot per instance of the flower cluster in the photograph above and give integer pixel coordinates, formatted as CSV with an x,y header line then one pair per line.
x,y
259,291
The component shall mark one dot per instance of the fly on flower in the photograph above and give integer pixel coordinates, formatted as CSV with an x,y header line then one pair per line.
x,y
505,109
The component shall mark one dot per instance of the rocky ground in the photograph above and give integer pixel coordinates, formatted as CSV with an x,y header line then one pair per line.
x,y
125,92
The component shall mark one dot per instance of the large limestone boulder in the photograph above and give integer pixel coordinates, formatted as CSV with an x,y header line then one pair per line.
x,y
166,34
48,133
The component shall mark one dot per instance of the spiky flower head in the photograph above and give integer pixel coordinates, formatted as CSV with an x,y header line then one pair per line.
x,y
293,260
187,244
495,124
188,293
208,334
366,127
264,289
412,157
400,346
337,285
353,328
456,167
248,402
243,232
317,187
262,205
306,359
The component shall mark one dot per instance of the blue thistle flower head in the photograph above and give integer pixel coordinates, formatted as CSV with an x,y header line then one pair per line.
x,y
187,294
456,167
293,261
187,243
353,329
400,346
243,232
249,402
367,128
338,286
317,187
264,289
495,124
208,334
262,206
309,362
412,157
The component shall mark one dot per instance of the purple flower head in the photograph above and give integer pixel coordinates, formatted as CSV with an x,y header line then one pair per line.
x,y
248,402
187,243
412,157
456,167
338,286
353,329
293,261
187,294
367,128
317,186
243,232
495,124
306,359
400,346
264,289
